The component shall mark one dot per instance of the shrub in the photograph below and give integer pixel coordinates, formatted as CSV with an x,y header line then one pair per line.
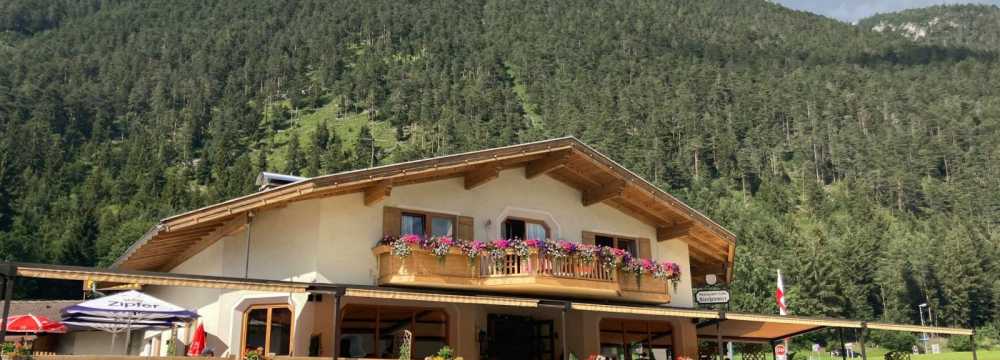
x,y
960,343
895,340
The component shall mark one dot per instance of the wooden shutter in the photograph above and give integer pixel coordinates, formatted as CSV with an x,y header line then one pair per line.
x,y
392,220
645,251
466,229
588,238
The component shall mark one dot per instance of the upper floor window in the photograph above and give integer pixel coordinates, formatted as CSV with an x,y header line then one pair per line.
x,y
629,245
521,228
427,224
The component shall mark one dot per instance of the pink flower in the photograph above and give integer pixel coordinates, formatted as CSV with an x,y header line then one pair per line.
x,y
501,244
410,239
567,246
618,252
445,240
648,264
533,243
477,245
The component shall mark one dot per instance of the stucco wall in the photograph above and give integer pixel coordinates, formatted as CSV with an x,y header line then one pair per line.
x,y
348,229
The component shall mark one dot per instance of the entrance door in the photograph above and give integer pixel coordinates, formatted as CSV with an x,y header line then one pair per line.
x,y
519,338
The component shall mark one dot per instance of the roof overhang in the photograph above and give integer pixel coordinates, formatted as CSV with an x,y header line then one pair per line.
x,y
599,179
732,326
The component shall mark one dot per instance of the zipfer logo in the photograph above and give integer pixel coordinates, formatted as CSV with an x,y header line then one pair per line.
x,y
128,304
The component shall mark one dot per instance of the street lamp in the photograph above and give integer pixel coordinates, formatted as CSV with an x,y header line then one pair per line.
x,y
920,308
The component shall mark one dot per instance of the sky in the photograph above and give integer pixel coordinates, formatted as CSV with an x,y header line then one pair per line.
x,y
853,10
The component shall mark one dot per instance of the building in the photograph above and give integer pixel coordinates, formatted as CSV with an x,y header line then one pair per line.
x,y
308,267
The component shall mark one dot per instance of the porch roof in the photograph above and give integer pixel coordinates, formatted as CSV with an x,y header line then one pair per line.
x,y
733,326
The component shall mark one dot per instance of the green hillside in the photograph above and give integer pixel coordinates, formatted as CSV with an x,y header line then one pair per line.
x,y
863,164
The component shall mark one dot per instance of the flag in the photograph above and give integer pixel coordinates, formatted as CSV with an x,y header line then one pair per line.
x,y
197,342
779,295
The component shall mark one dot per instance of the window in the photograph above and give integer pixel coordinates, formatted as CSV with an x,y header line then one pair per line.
x,y
623,338
524,229
376,331
416,223
268,327
627,244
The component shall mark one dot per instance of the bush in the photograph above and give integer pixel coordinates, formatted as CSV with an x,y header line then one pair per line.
x,y
894,340
960,343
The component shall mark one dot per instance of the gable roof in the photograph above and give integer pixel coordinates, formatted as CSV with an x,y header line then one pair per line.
x,y
599,179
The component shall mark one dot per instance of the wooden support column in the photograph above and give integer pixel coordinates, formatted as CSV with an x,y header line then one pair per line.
x,y
973,339
9,276
378,192
843,347
481,175
861,340
336,322
604,192
546,164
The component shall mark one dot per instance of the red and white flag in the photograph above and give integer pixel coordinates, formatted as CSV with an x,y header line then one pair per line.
x,y
779,295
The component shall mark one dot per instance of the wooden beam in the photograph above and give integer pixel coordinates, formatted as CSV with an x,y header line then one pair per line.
x,y
546,164
377,192
678,230
481,175
603,192
228,228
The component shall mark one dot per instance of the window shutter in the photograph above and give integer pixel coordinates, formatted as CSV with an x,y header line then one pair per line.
x,y
644,251
466,229
588,238
391,221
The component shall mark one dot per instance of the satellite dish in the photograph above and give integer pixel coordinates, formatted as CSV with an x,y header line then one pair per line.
x,y
711,279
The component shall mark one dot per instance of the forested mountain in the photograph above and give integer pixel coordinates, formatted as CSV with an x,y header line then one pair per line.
x,y
974,26
861,163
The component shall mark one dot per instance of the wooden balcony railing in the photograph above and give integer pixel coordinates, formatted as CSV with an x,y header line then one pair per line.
x,y
528,275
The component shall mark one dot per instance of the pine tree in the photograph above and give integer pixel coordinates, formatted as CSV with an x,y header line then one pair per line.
x,y
294,159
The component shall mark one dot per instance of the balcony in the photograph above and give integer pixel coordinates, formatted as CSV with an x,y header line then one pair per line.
x,y
533,274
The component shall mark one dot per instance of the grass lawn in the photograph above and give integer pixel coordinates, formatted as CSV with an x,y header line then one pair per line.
x,y
876,354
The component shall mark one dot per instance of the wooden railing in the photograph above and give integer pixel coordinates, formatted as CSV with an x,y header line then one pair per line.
x,y
532,274
537,265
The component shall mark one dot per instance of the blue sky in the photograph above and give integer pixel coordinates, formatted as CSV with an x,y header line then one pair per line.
x,y
853,10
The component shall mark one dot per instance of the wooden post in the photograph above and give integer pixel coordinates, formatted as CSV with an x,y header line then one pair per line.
x,y
562,336
843,348
973,339
336,321
8,292
718,338
861,340
9,274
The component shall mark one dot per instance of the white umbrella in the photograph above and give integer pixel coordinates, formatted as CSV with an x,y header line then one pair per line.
x,y
125,311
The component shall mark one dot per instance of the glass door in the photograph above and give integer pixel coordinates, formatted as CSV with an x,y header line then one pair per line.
x,y
268,328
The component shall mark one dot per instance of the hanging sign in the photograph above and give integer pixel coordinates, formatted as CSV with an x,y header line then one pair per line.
x,y
712,297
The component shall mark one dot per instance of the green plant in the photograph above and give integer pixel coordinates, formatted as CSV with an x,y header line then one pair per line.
x,y
960,343
894,341
446,352
254,354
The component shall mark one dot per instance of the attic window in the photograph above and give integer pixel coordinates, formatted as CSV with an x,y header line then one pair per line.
x,y
520,228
